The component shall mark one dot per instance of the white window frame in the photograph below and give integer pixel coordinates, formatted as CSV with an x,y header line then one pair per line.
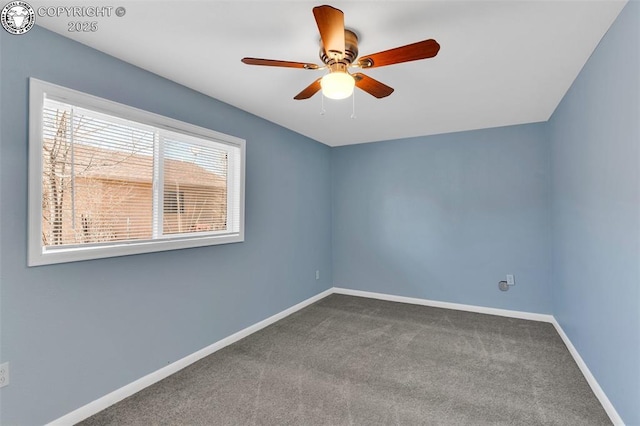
x,y
39,255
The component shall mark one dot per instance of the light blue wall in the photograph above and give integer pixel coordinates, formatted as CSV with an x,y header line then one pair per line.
x,y
595,136
74,332
446,217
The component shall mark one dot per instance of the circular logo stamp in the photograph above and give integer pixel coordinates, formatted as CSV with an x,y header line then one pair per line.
x,y
17,17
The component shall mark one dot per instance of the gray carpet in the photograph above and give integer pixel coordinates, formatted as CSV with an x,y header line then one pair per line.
x,y
350,360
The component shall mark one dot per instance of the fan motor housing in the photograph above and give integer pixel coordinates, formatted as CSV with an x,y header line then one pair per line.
x,y
350,50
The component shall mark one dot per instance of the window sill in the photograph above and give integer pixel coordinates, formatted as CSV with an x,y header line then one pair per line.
x,y
51,256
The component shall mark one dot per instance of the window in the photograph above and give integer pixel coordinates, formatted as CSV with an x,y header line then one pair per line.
x,y
109,180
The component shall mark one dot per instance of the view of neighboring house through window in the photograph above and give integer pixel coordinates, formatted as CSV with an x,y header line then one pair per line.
x,y
109,182
195,191
97,178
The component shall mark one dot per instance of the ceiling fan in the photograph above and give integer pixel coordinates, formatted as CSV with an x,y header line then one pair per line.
x,y
339,53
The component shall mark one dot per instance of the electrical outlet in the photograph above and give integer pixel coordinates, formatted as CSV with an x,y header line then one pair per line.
x,y
510,280
317,275
4,374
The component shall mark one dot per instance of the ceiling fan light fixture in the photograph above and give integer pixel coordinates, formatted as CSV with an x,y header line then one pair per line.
x,y
339,52
337,85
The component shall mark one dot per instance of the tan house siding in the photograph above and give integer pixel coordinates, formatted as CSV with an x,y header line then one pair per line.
x,y
105,210
200,209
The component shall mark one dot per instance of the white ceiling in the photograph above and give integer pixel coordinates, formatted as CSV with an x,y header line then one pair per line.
x,y
500,62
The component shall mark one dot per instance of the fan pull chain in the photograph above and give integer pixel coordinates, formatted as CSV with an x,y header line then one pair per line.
x,y
353,105
322,111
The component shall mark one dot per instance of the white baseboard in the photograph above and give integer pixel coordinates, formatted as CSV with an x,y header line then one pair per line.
x,y
100,404
447,305
595,386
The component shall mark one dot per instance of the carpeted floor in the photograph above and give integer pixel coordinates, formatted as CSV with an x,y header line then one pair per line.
x,y
350,360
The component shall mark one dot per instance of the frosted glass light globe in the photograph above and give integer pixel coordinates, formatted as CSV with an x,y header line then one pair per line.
x,y
337,85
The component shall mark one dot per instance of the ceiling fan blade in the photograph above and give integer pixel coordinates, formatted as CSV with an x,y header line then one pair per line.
x,y
411,52
372,86
275,63
309,91
331,26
